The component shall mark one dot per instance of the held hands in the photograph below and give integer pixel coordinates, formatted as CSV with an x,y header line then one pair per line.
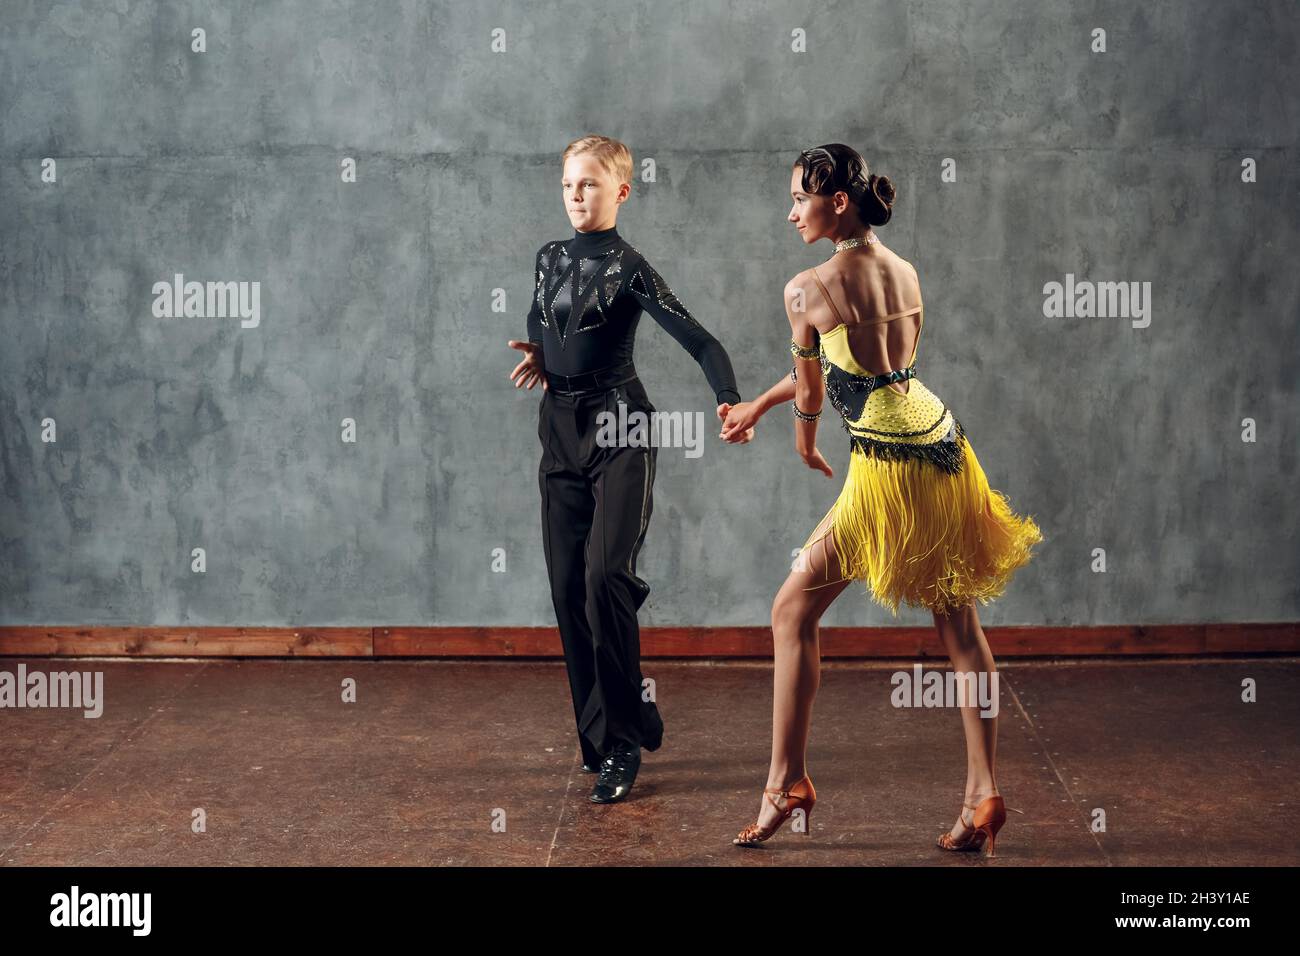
x,y
530,371
737,422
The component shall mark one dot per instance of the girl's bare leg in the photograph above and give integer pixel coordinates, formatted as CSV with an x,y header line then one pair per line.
x,y
967,648
798,608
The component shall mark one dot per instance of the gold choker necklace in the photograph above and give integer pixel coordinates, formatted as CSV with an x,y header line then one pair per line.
x,y
855,242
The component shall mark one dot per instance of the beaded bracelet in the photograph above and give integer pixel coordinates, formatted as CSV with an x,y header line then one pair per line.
x,y
794,376
804,416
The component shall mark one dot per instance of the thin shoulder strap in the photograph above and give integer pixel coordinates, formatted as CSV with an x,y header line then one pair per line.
x,y
873,321
827,296
921,326
916,345
876,320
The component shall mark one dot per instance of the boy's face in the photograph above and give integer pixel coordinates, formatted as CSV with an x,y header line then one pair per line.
x,y
591,194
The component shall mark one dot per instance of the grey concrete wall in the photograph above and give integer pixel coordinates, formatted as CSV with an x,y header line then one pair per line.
x,y
377,297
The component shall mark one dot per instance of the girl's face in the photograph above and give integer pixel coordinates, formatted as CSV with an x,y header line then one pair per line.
x,y
813,215
591,196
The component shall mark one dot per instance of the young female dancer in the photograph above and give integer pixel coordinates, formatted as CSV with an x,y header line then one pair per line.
x,y
916,518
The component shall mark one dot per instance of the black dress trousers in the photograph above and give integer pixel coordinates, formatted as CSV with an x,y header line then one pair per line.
x,y
596,503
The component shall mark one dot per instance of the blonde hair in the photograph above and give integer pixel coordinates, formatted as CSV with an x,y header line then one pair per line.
x,y
615,157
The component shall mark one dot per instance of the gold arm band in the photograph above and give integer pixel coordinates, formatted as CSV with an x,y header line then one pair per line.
x,y
798,351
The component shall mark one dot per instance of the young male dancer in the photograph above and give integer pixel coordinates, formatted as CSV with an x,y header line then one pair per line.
x,y
596,499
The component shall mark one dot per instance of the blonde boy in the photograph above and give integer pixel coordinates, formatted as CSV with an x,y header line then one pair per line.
x,y
590,291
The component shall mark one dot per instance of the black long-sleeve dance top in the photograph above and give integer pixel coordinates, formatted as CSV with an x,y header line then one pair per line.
x,y
610,283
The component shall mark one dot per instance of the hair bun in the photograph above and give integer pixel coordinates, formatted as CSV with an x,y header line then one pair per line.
x,y
835,168
883,187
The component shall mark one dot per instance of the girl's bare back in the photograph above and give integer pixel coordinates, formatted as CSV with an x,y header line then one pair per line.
x,y
866,284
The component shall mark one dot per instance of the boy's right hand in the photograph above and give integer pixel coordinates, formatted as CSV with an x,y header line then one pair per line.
x,y
530,371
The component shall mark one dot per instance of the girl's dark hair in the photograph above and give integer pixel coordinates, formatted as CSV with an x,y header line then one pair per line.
x,y
835,167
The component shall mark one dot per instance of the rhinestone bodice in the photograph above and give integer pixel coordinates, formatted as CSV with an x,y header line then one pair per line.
x,y
848,388
588,298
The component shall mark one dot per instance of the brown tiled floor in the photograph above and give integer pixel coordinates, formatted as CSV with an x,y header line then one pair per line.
x,y
412,773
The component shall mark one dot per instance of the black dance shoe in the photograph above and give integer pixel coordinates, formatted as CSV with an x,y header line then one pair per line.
x,y
617,774
591,759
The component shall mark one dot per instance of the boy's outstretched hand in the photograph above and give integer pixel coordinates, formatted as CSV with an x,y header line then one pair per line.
x,y
530,371
737,428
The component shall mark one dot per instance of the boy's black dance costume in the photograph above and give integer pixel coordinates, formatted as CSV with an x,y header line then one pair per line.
x,y
596,501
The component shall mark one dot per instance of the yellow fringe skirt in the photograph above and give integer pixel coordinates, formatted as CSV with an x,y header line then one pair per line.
x,y
917,520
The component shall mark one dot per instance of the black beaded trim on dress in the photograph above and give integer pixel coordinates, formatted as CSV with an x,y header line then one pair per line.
x,y
945,454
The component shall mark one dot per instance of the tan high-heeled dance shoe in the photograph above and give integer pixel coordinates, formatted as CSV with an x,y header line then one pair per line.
x,y
800,796
990,814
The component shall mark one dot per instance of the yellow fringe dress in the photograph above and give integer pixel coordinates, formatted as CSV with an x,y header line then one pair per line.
x,y
916,518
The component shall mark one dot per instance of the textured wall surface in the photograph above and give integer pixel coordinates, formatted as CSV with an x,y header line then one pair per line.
x,y
377,297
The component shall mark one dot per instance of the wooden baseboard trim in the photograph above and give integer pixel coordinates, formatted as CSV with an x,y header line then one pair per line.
x,y
675,642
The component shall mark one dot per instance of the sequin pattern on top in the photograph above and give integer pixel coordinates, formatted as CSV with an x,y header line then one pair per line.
x,y
589,295
884,424
580,295
649,285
